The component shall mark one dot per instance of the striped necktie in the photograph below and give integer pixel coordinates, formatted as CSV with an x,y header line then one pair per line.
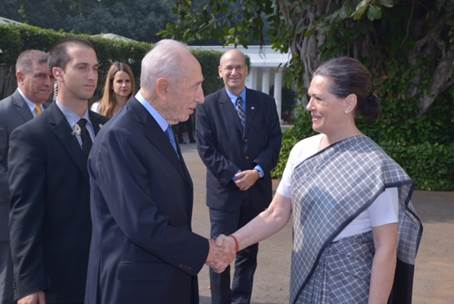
x,y
240,110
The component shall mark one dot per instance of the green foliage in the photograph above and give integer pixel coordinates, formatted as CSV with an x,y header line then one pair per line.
x,y
14,39
229,21
138,19
210,62
431,166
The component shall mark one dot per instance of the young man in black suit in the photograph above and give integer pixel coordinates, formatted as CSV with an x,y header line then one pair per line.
x,y
49,218
239,139
34,87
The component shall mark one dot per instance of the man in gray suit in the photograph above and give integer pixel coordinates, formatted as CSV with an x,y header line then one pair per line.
x,y
34,87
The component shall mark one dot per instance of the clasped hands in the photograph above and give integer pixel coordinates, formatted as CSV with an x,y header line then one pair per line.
x,y
246,179
222,252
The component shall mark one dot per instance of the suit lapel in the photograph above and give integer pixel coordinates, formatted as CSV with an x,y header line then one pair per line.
x,y
21,107
184,167
252,107
60,127
158,138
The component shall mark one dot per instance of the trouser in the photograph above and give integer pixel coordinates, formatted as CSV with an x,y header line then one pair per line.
x,y
227,222
6,274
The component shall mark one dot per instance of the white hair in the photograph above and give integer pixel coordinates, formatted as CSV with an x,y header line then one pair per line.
x,y
163,60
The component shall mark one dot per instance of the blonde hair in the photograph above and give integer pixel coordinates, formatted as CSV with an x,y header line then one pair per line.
x,y
108,100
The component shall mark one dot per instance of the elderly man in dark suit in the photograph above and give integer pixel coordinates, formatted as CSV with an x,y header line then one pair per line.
x,y
239,139
143,249
33,89
50,218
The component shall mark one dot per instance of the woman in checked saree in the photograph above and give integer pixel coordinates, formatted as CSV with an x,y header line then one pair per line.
x,y
356,233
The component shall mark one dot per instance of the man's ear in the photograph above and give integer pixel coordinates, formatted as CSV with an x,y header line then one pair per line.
x,y
20,76
351,101
57,73
219,71
162,87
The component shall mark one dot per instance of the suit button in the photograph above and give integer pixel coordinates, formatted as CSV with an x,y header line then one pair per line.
x,y
246,157
245,140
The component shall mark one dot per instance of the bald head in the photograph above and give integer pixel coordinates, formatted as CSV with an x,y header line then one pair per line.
x,y
233,70
233,53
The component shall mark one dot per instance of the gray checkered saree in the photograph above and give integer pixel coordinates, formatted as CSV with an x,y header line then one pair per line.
x,y
329,190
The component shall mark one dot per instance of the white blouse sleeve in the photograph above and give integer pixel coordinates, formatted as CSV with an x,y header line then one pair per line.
x,y
300,151
95,107
385,209
284,185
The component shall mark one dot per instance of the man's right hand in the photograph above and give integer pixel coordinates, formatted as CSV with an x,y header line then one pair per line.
x,y
34,298
221,253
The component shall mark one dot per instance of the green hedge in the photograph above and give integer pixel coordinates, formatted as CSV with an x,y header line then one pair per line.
x,y
16,38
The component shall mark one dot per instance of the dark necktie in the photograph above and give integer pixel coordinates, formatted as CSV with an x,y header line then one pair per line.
x,y
85,136
171,137
240,110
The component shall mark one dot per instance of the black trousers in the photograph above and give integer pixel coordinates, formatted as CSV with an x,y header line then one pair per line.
x,y
227,222
6,274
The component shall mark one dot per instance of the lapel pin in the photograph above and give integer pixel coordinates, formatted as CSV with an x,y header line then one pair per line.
x,y
252,108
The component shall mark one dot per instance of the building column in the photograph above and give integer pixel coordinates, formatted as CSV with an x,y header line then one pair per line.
x,y
278,91
251,80
266,80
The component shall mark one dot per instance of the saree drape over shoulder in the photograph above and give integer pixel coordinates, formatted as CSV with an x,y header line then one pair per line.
x,y
329,190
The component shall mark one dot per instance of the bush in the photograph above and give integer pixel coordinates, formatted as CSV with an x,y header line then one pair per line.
x,y
431,166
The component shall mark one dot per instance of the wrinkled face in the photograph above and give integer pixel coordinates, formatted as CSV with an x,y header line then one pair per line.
x,y
185,93
80,76
121,84
36,85
327,110
233,70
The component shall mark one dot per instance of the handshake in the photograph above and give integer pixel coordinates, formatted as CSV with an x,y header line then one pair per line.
x,y
222,252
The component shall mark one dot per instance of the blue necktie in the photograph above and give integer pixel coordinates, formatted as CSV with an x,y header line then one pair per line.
x,y
171,137
240,110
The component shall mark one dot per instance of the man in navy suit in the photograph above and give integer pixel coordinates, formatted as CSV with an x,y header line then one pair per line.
x,y
34,87
239,139
50,210
143,249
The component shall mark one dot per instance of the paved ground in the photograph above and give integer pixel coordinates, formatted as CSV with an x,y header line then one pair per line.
x,y
434,278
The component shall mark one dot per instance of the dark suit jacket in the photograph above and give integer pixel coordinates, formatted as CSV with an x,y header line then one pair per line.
x,y
50,216
225,149
142,250
14,112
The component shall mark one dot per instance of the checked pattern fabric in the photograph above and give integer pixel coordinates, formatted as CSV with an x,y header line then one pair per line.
x,y
333,187
342,275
